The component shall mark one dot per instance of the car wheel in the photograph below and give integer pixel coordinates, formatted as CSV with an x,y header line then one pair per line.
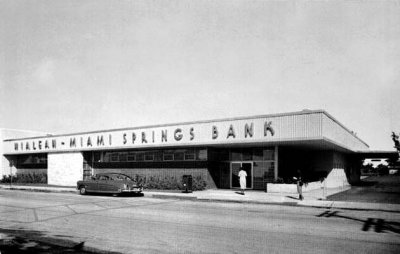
x,y
82,190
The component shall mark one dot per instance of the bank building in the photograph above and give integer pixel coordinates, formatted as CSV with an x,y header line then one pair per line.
x,y
271,148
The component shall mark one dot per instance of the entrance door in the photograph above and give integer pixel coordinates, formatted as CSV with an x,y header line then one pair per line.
x,y
235,168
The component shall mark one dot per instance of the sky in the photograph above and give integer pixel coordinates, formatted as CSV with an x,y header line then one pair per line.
x,y
79,65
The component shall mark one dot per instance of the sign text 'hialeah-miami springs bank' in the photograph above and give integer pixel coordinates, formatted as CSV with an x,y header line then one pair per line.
x,y
190,134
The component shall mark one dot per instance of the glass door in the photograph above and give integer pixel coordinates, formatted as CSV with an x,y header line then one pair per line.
x,y
235,168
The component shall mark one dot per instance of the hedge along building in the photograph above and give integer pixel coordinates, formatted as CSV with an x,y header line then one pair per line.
x,y
270,148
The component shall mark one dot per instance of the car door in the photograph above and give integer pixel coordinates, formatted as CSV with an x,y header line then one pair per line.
x,y
103,184
91,184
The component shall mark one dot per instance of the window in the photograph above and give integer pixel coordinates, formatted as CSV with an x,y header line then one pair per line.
x,y
31,159
140,157
189,156
179,156
269,154
114,157
131,156
149,156
202,154
158,155
103,178
168,156
257,154
247,154
123,157
236,155
97,156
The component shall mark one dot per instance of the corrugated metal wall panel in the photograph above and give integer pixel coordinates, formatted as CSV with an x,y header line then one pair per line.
x,y
297,126
335,132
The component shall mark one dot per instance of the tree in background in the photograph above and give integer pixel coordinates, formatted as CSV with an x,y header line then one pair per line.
x,y
396,141
382,170
394,163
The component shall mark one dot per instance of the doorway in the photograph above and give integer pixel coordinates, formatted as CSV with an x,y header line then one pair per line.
x,y
235,168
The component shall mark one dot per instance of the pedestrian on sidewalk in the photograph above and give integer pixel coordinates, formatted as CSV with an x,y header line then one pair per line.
x,y
299,182
242,179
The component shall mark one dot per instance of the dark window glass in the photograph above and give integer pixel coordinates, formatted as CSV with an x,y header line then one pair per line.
x,y
149,156
131,156
103,178
189,156
140,157
123,157
223,155
247,154
43,159
106,157
97,156
179,156
32,159
158,156
168,156
202,154
236,155
114,157
269,154
257,154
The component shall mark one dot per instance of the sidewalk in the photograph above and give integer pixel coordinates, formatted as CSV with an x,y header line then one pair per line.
x,y
312,198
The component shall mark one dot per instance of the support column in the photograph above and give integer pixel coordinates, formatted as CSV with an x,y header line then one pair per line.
x,y
276,163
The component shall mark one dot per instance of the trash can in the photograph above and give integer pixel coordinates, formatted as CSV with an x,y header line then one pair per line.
x,y
187,183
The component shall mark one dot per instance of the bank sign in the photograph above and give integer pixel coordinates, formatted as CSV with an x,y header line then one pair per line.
x,y
207,133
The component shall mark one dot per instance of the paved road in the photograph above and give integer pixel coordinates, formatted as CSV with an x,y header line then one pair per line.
x,y
47,221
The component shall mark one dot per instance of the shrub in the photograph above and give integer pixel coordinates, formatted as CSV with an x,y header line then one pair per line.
x,y
25,178
279,180
169,182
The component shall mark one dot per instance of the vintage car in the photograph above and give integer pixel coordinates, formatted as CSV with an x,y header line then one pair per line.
x,y
115,183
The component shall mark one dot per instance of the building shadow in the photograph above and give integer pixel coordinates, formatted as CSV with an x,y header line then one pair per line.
x,y
365,183
32,241
379,225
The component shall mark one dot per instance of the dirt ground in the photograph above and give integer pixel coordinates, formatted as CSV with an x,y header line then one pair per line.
x,y
374,189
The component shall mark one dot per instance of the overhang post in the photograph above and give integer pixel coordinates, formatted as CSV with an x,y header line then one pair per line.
x,y
276,163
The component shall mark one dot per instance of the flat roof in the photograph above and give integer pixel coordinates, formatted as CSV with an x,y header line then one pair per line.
x,y
303,112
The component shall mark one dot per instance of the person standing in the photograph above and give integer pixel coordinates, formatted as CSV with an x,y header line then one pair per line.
x,y
299,182
242,179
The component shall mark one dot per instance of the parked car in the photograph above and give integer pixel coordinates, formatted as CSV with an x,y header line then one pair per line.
x,y
115,183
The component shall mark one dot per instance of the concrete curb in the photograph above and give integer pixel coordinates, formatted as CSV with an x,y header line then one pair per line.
x,y
40,189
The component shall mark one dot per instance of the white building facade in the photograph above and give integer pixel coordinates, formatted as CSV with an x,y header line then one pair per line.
x,y
271,148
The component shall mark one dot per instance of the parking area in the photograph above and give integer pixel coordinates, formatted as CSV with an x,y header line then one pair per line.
x,y
374,189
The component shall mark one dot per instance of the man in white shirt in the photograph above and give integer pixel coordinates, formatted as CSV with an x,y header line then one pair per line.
x,y
242,179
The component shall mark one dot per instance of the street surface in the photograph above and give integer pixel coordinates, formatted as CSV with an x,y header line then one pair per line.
x,y
54,222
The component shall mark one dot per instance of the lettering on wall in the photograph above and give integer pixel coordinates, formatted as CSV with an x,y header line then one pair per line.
x,y
234,131
231,132
214,132
35,145
100,140
268,127
248,131
178,134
